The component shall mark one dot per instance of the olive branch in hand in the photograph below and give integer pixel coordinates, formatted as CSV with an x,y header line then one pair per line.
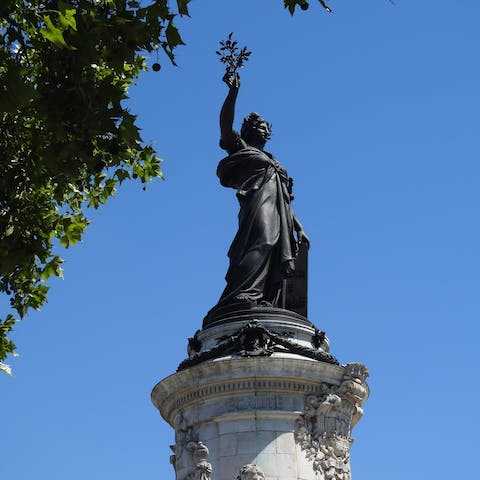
x,y
231,55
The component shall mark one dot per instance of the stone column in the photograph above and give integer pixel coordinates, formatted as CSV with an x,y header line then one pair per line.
x,y
265,400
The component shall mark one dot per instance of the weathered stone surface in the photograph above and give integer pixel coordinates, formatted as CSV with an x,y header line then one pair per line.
x,y
290,416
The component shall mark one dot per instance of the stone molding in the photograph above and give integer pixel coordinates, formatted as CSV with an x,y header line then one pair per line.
x,y
242,377
244,386
239,312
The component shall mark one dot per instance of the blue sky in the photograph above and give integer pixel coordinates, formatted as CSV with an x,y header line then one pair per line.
x,y
375,113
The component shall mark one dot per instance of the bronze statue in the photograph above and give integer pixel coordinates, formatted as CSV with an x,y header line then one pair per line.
x,y
263,252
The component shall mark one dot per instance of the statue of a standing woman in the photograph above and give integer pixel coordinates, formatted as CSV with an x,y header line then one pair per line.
x,y
263,251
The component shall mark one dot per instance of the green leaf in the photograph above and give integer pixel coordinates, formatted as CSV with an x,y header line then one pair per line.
x,y
157,9
173,37
122,174
54,34
290,5
7,347
52,268
108,190
183,7
67,19
5,368
128,129
73,227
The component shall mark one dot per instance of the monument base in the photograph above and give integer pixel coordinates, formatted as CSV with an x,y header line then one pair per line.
x,y
278,417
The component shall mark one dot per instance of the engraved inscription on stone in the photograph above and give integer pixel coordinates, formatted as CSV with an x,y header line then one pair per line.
x,y
255,403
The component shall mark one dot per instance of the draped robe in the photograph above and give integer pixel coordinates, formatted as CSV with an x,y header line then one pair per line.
x,y
263,250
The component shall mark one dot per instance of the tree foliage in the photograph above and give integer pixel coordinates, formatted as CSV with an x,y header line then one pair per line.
x,y
67,140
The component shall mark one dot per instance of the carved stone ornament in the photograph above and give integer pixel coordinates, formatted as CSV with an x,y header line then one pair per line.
x,y
194,345
191,455
255,340
202,470
323,431
250,472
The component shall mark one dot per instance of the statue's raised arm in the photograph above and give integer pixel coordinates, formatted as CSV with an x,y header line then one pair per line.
x,y
227,114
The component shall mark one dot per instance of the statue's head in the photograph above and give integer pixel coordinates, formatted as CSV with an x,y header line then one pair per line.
x,y
255,130
251,472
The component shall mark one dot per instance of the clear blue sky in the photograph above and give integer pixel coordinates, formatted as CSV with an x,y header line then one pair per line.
x,y
375,111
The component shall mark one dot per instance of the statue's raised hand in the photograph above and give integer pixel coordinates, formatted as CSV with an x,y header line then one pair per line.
x,y
232,80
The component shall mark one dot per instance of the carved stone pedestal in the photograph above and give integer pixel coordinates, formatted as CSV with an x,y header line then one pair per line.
x,y
262,409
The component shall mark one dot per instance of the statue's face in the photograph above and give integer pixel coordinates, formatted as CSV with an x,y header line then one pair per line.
x,y
263,130
257,476
258,134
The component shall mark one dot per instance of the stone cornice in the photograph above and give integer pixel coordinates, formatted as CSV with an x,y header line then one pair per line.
x,y
242,376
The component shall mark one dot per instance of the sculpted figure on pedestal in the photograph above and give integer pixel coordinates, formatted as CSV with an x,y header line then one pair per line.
x,y
202,470
190,458
263,251
251,472
323,431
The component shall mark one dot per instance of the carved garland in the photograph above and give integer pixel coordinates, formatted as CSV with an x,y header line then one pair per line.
x,y
255,340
